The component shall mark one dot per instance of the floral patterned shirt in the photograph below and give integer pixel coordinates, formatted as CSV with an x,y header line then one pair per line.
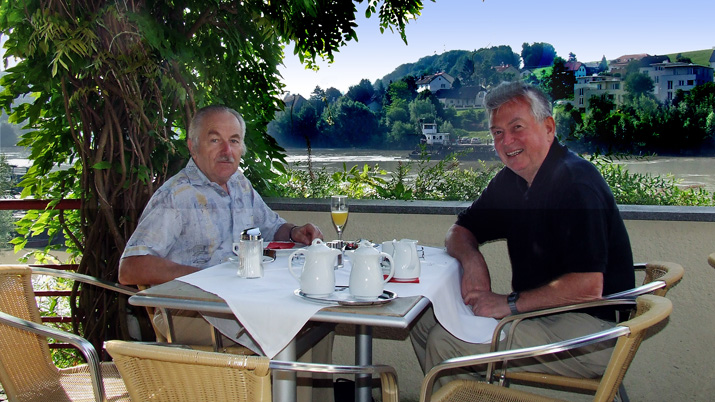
x,y
193,221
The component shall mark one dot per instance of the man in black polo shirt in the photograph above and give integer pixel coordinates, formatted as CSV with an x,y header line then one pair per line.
x,y
567,242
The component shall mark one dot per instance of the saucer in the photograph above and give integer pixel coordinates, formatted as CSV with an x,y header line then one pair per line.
x,y
342,296
405,280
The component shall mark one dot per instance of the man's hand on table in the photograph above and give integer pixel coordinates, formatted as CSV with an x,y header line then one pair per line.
x,y
307,233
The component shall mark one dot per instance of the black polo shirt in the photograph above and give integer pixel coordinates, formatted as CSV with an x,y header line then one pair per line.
x,y
567,221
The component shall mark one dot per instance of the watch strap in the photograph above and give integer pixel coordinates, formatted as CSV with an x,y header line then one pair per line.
x,y
511,299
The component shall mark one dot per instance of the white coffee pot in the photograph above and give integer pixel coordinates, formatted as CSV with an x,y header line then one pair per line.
x,y
366,276
317,278
407,262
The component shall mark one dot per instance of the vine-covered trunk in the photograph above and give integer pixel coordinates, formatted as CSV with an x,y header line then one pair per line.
x,y
118,124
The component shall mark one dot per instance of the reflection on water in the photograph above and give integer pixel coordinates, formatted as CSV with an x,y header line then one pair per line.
x,y
691,171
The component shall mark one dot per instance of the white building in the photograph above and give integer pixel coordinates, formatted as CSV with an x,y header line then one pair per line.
x,y
435,82
597,85
670,77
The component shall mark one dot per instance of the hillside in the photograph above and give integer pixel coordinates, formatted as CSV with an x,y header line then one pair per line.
x,y
701,57
452,62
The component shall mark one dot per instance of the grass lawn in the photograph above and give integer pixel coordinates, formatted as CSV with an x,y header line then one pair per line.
x,y
700,57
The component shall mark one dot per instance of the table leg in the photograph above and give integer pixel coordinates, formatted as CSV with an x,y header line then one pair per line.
x,y
170,325
217,339
284,382
363,356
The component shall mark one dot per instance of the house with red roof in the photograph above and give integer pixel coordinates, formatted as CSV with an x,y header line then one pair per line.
x,y
618,66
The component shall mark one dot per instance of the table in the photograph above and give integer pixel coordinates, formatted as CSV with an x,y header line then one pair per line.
x,y
218,290
397,314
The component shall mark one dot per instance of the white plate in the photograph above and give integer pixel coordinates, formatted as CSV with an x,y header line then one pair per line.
x,y
342,296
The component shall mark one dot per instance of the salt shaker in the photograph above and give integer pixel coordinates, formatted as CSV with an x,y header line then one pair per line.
x,y
250,254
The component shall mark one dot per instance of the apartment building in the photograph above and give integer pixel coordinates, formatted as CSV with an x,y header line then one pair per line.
x,y
670,77
597,85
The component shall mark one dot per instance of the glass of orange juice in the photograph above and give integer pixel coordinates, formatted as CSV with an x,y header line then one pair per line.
x,y
339,213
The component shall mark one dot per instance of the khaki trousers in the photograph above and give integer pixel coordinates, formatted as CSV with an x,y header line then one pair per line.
x,y
434,344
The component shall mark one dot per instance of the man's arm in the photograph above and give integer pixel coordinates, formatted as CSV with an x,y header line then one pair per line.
x,y
150,270
462,245
300,234
575,287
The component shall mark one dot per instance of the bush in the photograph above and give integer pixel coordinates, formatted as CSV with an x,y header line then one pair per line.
x,y
446,181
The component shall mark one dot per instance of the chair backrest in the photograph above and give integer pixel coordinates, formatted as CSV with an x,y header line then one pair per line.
x,y
650,310
25,361
175,374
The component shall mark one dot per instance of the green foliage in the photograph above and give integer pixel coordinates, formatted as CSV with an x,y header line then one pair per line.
x,y
57,307
638,84
441,180
114,85
642,125
7,184
538,54
558,84
645,189
445,180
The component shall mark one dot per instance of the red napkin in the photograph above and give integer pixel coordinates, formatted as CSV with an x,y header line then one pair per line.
x,y
277,245
396,280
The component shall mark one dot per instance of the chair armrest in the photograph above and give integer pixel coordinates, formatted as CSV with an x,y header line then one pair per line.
x,y
388,375
635,292
126,290
506,355
84,346
515,319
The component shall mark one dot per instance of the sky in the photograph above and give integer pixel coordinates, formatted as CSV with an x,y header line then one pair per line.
x,y
590,30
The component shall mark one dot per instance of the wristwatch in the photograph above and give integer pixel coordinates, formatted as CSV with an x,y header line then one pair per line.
x,y
511,299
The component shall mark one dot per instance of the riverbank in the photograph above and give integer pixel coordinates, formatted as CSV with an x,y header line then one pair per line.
x,y
691,171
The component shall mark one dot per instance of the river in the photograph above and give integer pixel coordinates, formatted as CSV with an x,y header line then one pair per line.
x,y
691,171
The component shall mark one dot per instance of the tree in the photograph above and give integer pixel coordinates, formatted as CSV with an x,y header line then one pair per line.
x,y
343,127
572,57
683,59
362,92
603,66
559,83
638,84
538,54
402,91
117,82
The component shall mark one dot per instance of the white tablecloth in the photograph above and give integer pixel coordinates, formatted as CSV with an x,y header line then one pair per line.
x,y
272,314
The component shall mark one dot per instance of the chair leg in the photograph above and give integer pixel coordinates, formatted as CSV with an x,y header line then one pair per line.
x,y
622,395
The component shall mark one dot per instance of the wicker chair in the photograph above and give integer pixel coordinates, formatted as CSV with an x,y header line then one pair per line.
x,y
650,311
174,373
27,372
659,278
